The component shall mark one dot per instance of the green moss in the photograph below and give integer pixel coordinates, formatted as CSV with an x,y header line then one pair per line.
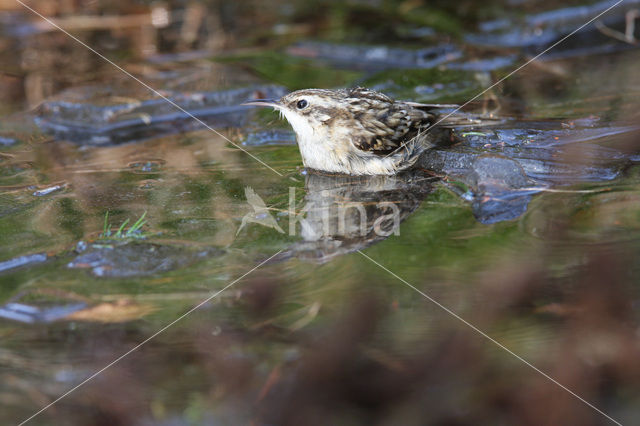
x,y
440,85
294,73
71,218
438,19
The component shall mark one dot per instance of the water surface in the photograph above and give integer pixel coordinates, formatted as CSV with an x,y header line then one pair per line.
x,y
529,229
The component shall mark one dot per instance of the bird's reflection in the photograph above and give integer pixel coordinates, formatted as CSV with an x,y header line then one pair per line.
x,y
342,214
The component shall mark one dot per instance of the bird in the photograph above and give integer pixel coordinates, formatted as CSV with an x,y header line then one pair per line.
x,y
359,131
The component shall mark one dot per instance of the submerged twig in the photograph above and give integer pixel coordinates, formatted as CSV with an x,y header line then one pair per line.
x,y
568,191
629,31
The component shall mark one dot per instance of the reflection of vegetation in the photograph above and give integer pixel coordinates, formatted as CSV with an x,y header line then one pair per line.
x,y
438,19
71,217
382,23
426,85
294,73
134,231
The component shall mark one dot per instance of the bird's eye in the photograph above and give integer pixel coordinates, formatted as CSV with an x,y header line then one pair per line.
x,y
302,104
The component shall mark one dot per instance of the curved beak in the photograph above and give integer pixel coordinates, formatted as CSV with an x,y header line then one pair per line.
x,y
263,103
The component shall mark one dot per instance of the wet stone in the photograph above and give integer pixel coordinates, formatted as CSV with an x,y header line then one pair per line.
x,y
504,167
133,259
107,119
537,31
491,172
499,187
377,57
543,154
493,208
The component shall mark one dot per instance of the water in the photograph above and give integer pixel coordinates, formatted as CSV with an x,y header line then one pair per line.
x,y
528,229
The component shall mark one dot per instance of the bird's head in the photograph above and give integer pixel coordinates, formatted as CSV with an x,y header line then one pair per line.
x,y
311,112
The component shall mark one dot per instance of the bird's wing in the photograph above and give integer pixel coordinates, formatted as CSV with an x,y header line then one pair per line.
x,y
254,199
385,128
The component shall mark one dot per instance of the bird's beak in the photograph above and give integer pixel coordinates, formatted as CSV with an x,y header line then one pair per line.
x,y
263,103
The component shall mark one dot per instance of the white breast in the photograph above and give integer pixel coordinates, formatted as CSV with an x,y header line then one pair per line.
x,y
333,152
317,148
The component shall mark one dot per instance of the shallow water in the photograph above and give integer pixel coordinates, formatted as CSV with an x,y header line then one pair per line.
x,y
528,229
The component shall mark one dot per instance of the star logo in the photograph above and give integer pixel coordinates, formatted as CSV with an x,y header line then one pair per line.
x,y
260,213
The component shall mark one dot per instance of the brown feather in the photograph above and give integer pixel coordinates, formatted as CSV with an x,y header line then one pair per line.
x,y
387,124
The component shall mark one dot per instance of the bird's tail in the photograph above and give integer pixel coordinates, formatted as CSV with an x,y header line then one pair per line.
x,y
458,119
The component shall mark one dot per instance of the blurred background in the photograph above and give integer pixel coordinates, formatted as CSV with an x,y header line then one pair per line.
x,y
541,255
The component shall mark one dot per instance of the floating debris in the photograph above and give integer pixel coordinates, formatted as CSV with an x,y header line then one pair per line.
x,y
122,310
46,191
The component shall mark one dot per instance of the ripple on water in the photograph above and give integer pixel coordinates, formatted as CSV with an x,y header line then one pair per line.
x,y
146,166
597,216
148,184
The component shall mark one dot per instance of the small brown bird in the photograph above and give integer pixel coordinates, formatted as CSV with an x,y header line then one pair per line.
x,y
360,131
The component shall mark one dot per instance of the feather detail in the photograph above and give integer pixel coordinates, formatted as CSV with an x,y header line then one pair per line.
x,y
387,124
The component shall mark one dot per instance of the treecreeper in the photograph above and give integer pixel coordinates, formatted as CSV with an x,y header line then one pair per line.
x,y
359,131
